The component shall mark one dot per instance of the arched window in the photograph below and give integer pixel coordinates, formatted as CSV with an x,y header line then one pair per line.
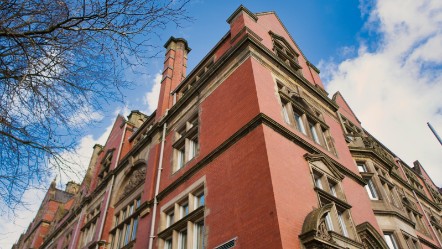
x,y
128,206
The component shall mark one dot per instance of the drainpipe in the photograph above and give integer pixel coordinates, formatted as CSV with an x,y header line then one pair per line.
x,y
420,205
100,232
157,187
78,227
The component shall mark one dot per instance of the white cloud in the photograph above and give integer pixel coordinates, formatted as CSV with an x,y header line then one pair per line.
x,y
396,88
151,97
12,226
84,116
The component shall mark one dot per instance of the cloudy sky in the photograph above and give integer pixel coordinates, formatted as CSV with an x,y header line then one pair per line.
x,y
384,57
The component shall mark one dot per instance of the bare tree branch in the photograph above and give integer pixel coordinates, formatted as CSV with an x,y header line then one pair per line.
x,y
60,60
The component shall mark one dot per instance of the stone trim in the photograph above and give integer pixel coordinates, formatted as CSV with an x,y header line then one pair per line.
x,y
182,223
394,213
367,231
238,10
245,30
260,119
426,242
331,198
313,67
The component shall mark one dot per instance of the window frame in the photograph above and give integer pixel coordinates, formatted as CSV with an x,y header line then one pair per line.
x,y
189,200
363,166
186,146
126,224
371,189
391,241
306,121
339,217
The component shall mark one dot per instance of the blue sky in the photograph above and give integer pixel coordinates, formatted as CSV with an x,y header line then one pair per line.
x,y
324,30
385,58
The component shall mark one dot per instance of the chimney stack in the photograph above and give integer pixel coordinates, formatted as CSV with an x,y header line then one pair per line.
x,y
174,72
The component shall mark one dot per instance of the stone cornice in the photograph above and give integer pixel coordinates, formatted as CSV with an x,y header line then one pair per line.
x,y
304,82
260,119
427,200
238,10
396,214
313,67
182,223
246,40
369,152
428,243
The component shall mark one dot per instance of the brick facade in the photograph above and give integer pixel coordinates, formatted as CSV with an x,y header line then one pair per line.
x,y
254,155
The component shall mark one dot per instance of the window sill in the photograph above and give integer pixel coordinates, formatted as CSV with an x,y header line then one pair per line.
x,y
182,223
185,164
332,198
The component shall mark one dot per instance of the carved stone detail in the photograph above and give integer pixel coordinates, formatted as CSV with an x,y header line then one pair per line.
x,y
377,149
322,232
135,179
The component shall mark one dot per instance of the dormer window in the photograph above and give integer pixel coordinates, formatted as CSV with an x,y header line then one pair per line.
x,y
298,113
200,74
285,52
105,164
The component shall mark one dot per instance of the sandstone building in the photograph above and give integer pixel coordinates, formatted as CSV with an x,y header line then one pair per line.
x,y
246,151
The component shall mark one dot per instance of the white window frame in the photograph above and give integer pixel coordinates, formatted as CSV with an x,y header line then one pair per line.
x,y
329,222
342,224
196,229
391,240
371,190
188,147
362,167
182,235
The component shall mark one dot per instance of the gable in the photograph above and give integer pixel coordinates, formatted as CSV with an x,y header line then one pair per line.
x,y
345,109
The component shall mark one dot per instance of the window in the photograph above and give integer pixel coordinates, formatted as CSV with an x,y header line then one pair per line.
x,y
88,230
417,218
198,235
105,164
338,220
198,76
391,241
342,224
182,240
411,242
67,240
126,225
349,128
187,231
362,167
318,181
314,133
299,123
199,200
298,113
331,197
168,243
186,144
332,186
391,194
170,218
285,113
371,189
285,52
328,222
184,209
326,183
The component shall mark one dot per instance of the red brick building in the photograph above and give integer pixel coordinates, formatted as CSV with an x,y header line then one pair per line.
x,y
247,151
